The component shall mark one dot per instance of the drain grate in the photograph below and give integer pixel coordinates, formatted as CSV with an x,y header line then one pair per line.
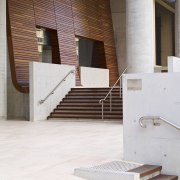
x,y
113,166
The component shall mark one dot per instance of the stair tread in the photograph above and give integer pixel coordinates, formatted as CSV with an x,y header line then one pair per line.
x,y
91,97
95,90
86,116
87,112
93,93
164,177
88,108
146,170
83,104
98,115
89,100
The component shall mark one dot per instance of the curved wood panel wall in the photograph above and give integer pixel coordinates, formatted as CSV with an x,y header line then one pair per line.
x,y
22,41
85,18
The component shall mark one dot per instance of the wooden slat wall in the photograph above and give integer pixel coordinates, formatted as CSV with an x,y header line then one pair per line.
x,y
66,35
86,18
80,16
44,13
22,40
94,20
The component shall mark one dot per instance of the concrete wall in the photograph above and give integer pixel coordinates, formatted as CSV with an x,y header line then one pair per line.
x,y
94,77
173,64
118,10
17,103
3,59
43,79
152,95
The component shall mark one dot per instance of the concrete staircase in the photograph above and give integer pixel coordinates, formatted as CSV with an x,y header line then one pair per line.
x,y
83,103
149,172
123,170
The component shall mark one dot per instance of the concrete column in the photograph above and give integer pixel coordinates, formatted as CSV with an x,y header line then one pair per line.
x,y
3,59
177,28
140,36
118,10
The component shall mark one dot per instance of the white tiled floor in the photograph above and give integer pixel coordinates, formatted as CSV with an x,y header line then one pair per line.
x,y
50,150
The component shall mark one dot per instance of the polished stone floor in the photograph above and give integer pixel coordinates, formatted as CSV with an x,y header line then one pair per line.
x,y
50,150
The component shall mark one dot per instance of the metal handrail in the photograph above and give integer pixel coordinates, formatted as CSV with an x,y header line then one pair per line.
x,y
109,93
52,92
156,118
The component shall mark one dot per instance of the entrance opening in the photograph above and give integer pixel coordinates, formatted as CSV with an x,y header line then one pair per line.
x,y
90,53
48,46
165,40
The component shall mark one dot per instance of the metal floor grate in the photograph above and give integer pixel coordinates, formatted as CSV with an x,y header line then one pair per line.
x,y
113,166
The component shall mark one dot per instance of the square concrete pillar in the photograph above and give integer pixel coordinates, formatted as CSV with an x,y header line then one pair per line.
x,y
3,60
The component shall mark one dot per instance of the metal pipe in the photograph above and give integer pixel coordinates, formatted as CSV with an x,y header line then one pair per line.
x,y
52,92
109,93
156,118
120,87
111,102
102,110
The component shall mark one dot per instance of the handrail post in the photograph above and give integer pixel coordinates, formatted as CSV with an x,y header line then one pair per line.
x,y
102,110
109,93
111,102
120,81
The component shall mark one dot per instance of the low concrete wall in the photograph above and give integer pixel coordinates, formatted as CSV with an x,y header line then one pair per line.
x,y
94,77
3,59
152,95
173,64
103,175
43,79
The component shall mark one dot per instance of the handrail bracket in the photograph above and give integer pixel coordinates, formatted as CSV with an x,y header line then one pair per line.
x,y
155,123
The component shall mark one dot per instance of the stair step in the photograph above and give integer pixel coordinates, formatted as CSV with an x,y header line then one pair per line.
x,y
86,112
164,177
92,94
92,105
94,90
88,108
87,104
85,116
146,170
89,100
92,97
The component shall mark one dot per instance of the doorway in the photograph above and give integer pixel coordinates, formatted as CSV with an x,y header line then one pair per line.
x,y
165,39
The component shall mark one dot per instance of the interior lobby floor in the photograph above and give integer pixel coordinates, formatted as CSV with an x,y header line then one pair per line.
x,y
50,150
